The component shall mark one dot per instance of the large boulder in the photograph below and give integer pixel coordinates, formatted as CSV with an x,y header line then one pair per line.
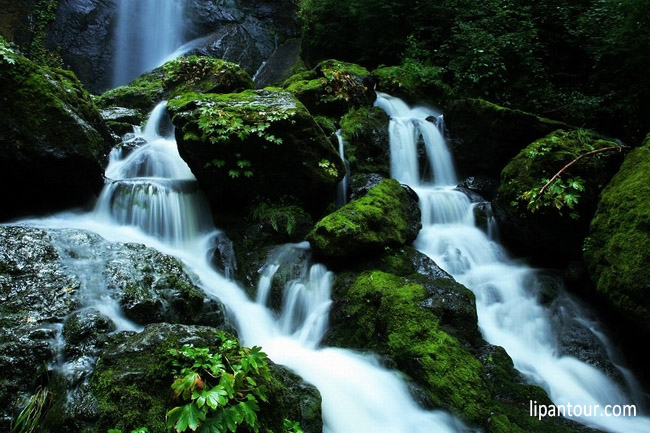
x,y
387,216
131,386
414,83
52,287
616,251
484,136
367,148
554,231
332,87
182,75
53,140
254,145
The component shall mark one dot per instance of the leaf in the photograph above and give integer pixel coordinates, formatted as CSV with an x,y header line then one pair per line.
x,y
185,417
183,386
217,396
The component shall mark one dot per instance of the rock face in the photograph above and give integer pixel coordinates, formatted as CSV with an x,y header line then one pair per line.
x,y
255,144
53,283
332,88
552,235
388,216
616,250
485,136
242,31
51,135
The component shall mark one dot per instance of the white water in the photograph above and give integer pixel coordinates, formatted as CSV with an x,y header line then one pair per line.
x,y
147,32
342,189
508,310
358,394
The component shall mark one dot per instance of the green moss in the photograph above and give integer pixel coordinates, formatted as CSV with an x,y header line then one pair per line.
x,y
332,87
383,217
388,318
365,131
414,82
174,78
616,252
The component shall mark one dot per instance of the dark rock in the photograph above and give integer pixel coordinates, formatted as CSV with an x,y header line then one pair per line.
x,y
387,216
288,156
484,186
485,136
279,66
414,83
616,251
367,148
85,332
362,183
51,135
553,236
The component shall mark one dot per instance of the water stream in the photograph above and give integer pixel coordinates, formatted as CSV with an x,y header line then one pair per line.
x,y
509,312
146,33
151,198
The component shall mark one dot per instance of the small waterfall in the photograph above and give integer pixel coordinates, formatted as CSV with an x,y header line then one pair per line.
x,y
342,188
507,305
147,32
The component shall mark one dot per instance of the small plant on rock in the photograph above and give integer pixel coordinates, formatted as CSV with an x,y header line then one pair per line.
x,y
220,390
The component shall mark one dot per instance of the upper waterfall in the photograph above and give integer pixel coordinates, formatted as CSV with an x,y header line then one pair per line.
x,y
147,32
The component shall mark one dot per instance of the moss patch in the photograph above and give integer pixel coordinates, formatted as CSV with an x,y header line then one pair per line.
x,y
616,250
386,216
365,131
414,82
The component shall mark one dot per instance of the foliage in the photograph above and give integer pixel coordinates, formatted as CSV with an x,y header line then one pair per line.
x,y
28,420
6,52
220,390
292,426
137,430
559,195
282,217
44,14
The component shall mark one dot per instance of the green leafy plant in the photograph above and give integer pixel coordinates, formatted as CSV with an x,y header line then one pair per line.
x,y
560,195
292,426
28,420
6,53
282,216
137,430
329,168
220,390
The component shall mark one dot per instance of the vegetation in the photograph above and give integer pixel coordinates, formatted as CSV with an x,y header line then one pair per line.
x,y
220,389
581,61
29,419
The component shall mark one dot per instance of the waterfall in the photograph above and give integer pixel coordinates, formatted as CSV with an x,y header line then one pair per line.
x,y
147,32
151,198
508,309
342,188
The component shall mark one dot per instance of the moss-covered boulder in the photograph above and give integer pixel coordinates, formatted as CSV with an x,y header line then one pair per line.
x,y
254,145
414,83
332,87
182,75
53,140
131,386
367,149
387,216
616,250
485,136
554,231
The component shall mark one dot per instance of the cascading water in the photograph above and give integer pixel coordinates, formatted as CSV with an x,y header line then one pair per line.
x,y
508,309
358,395
342,189
147,32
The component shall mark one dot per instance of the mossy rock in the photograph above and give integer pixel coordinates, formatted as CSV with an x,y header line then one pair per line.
x,y
549,232
130,386
387,216
485,136
182,75
256,145
387,314
414,83
616,250
51,136
367,148
332,87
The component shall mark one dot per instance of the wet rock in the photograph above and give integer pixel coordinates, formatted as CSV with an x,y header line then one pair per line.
x,y
51,135
362,183
367,148
279,66
121,120
484,186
